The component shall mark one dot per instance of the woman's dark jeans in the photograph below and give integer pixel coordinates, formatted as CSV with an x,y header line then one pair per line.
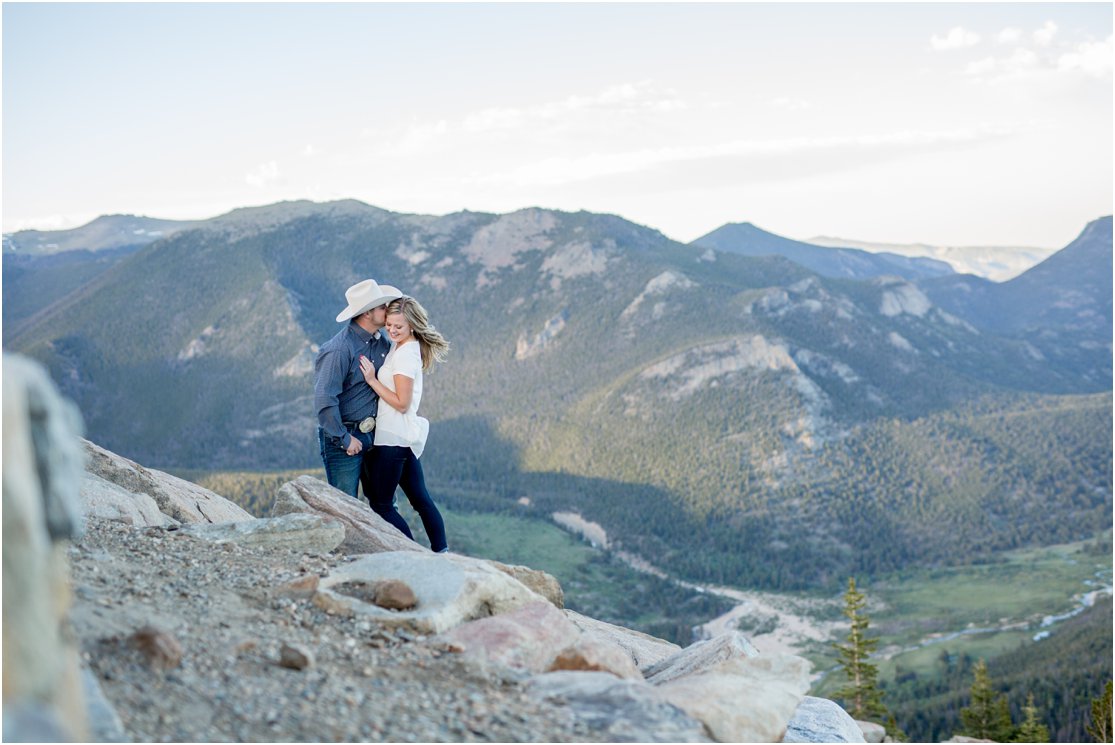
x,y
396,466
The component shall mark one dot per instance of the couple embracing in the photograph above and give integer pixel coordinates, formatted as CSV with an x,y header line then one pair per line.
x,y
367,387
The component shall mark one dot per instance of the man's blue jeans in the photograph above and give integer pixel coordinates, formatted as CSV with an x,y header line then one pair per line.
x,y
344,471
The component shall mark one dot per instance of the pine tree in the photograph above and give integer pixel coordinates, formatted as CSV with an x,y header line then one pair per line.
x,y
1100,728
988,716
1031,729
862,697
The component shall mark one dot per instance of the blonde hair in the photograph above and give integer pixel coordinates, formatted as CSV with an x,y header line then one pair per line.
x,y
431,343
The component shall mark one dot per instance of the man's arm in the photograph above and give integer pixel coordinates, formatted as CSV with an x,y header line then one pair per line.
x,y
329,377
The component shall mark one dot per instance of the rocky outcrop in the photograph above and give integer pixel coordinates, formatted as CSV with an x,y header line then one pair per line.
x,y
43,698
821,720
306,533
365,531
177,498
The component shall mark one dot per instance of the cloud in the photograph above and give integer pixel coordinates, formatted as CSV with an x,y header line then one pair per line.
x,y
790,104
310,151
1088,58
1044,35
609,109
559,170
264,174
957,38
1021,62
1009,35
1092,58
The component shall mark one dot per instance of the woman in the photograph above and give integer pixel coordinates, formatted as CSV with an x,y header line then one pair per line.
x,y
400,432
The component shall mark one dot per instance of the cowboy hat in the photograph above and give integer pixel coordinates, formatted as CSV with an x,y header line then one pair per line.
x,y
363,296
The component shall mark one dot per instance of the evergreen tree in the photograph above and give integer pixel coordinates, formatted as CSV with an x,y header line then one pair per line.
x,y
988,716
1031,729
862,697
1100,728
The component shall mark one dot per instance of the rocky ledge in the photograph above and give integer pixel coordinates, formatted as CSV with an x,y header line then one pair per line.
x,y
192,621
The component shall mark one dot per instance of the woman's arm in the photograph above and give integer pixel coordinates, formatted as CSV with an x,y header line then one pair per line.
x,y
399,398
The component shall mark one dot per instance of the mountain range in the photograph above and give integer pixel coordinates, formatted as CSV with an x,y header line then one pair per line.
x,y
665,391
997,263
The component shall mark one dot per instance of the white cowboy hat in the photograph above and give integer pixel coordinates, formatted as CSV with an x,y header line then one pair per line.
x,y
363,296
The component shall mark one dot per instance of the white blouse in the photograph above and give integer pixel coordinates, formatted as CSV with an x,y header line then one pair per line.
x,y
394,427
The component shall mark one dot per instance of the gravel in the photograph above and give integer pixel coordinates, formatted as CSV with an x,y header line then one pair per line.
x,y
223,607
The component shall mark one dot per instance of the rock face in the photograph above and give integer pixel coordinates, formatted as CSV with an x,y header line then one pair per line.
x,y
181,500
308,533
41,472
365,531
104,499
821,720
451,589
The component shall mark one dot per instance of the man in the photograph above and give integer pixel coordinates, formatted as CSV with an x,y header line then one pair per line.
x,y
346,405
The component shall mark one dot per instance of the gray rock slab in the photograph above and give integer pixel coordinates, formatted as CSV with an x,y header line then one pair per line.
x,y
619,709
109,501
451,589
544,584
822,720
700,657
365,531
750,699
308,533
178,498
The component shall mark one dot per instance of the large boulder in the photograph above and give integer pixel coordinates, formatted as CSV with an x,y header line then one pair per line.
x,y
185,502
451,589
42,464
700,657
749,699
537,637
109,501
365,531
307,533
643,649
621,710
822,720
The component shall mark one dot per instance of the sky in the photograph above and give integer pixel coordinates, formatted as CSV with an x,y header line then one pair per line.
x,y
941,123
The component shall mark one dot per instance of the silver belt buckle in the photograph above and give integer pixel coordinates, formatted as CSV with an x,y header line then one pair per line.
x,y
367,425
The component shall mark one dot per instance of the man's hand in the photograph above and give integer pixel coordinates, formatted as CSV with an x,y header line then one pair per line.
x,y
354,446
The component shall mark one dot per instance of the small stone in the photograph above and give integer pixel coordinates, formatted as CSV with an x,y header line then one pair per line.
x,y
296,657
160,648
395,594
303,587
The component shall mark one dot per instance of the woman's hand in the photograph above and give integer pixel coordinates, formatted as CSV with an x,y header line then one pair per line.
x,y
368,369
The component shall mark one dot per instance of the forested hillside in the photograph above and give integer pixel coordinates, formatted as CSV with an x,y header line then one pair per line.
x,y
1064,673
801,429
